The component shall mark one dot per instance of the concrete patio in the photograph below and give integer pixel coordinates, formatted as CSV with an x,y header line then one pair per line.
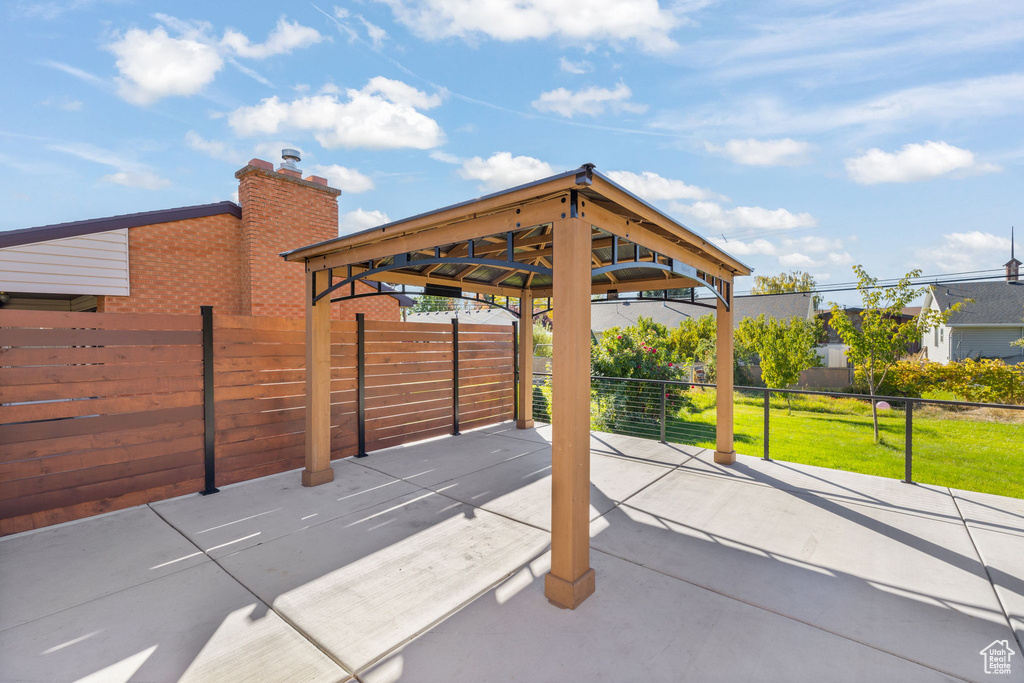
x,y
426,563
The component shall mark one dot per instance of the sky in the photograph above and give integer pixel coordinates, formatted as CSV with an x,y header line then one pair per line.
x,y
798,134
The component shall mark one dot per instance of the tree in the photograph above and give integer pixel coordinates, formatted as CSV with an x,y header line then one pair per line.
x,y
880,340
784,283
786,347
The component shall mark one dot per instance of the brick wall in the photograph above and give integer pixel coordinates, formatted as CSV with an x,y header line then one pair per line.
x,y
235,265
177,267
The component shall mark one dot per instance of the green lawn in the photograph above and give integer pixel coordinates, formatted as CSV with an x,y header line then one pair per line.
x,y
978,452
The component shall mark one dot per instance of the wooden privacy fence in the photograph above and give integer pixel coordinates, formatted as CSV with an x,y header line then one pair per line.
x,y
101,411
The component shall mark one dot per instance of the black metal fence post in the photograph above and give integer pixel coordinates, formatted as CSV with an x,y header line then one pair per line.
x,y
515,370
664,395
455,377
908,456
209,417
361,382
767,412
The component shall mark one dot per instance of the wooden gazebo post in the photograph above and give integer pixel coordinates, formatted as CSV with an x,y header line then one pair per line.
x,y
725,454
571,579
318,382
525,387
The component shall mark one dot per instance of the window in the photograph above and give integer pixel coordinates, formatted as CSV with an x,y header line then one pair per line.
x,y
936,340
942,335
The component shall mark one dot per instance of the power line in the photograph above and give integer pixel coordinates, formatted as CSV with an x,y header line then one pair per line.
x,y
890,282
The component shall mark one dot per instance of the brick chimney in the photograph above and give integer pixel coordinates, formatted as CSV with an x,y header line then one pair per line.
x,y
281,211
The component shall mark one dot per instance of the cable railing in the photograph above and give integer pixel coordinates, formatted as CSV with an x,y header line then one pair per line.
x,y
961,444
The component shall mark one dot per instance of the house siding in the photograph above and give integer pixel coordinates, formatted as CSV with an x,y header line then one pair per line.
x,y
987,342
89,265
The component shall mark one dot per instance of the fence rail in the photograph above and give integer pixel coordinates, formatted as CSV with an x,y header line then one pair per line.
x,y
101,411
972,441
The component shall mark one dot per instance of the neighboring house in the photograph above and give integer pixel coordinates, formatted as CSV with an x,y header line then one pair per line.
x,y
982,328
625,312
225,255
834,349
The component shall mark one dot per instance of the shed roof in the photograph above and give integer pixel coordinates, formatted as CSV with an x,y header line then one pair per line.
x,y
995,303
45,233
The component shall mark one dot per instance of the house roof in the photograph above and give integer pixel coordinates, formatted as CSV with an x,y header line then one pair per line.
x,y
45,233
995,303
625,312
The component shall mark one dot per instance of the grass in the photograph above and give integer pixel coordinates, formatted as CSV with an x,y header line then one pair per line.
x,y
974,450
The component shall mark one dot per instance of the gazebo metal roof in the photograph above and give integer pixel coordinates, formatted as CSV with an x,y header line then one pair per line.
x,y
502,243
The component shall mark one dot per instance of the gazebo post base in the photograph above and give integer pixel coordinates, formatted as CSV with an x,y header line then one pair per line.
x,y
317,478
569,594
524,424
725,458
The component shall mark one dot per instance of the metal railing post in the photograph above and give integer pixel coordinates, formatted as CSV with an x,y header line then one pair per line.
x,y
361,382
664,395
908,455
515,371
767,412
455,376
209,416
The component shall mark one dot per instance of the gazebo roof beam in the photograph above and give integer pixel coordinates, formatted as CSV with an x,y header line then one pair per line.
x,y
473,227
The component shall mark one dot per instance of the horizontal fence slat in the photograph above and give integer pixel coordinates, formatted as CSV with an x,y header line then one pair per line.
x,y
65,374
67,513
77,337
401,408
91,442
99,406
34,431
95,492
51,391
20,357
441,335
105,321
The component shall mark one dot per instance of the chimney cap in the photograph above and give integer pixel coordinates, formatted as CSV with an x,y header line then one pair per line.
x,y
291,157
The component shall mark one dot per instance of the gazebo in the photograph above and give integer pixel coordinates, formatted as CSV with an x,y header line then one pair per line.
x,y
567,238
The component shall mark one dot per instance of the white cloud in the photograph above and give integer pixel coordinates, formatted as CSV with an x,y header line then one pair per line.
x,y
740,248
154,65
286,37
131,173
795,259
754,152
80,74
712,216
146,180
959,251
569,67
383,115
347,179
376,34
913,163
971,99
63,102
592,101
813,244
652,187
361,219
502,170
445,157
214,148
643,22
